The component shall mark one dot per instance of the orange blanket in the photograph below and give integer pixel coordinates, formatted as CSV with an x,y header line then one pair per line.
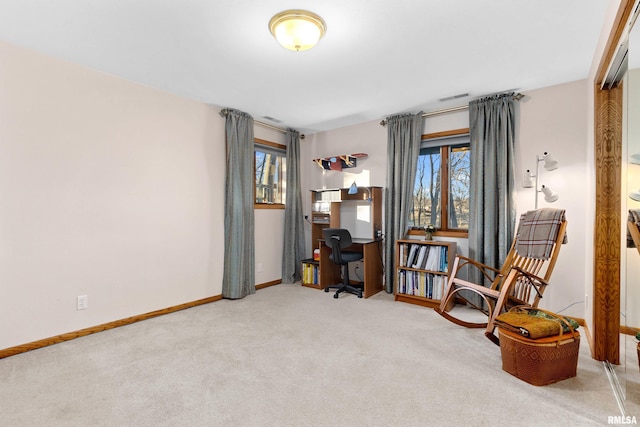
x,y
528,326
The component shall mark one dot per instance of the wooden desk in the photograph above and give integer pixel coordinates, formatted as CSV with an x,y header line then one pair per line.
x,y
372,264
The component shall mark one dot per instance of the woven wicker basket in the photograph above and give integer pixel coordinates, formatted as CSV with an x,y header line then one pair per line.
x,y
541,361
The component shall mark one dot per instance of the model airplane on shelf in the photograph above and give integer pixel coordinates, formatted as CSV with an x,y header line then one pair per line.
x,y
337,163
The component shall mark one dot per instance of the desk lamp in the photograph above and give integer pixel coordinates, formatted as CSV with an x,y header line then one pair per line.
x,y
353,189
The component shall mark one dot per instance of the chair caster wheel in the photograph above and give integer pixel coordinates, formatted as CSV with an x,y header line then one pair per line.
x,y
335,295
359,296
326,289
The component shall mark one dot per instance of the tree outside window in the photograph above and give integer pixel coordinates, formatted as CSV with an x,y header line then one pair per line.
x,y
270,167
426,193
441,190
459,184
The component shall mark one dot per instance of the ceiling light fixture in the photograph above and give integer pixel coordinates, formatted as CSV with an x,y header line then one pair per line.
x,y
297,29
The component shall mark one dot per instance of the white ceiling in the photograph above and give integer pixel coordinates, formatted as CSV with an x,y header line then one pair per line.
x,y
379,57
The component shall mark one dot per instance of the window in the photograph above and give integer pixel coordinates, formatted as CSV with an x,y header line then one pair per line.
x,y
441,191
271,168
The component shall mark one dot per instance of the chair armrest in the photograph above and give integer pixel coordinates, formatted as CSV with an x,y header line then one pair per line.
x,y
485,269
532,276
477,264
533,279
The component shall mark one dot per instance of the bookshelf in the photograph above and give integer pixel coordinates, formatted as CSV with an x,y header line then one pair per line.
x,y
311,273
422,270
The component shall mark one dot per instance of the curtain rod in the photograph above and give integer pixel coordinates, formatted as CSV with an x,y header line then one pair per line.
x,y
225,111
517,97
435,113
267,125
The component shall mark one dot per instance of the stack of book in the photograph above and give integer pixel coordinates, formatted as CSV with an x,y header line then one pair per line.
x,y
424,257
421,284
310,274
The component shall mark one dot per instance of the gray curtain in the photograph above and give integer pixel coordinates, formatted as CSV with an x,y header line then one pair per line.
x,y
403,147
294,251
238,279
492,124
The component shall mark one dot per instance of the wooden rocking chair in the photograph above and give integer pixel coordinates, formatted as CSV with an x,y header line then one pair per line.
x,y
518,281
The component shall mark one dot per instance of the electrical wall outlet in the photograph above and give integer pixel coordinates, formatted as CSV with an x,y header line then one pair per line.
x,y
82,302
259,267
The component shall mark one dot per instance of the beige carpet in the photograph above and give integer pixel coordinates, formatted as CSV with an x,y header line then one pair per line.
x,y
291,356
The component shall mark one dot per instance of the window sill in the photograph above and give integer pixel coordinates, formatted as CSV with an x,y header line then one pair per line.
x,y
268,206
461,234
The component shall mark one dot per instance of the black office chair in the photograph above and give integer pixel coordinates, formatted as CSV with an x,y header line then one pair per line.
x,y
338,239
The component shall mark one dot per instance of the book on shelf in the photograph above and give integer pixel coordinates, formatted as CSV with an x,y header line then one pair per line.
x,y
421,257
428,250
412,254
430,265
444,263
403,255
402,282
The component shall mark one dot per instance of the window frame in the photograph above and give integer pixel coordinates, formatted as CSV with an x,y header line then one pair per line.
x,y
444,185
263,142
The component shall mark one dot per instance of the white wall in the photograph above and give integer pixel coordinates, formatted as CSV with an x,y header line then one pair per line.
x,y
107,189
362,138
552,119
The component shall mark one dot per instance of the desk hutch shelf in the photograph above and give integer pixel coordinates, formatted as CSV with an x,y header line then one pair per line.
x,y
422,270
325,209
336,208
325,212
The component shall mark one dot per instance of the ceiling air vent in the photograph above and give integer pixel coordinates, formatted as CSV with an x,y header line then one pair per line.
x,y
450,98
272,119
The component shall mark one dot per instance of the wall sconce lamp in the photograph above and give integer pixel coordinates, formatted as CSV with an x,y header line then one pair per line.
x,y
531,180
297,29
